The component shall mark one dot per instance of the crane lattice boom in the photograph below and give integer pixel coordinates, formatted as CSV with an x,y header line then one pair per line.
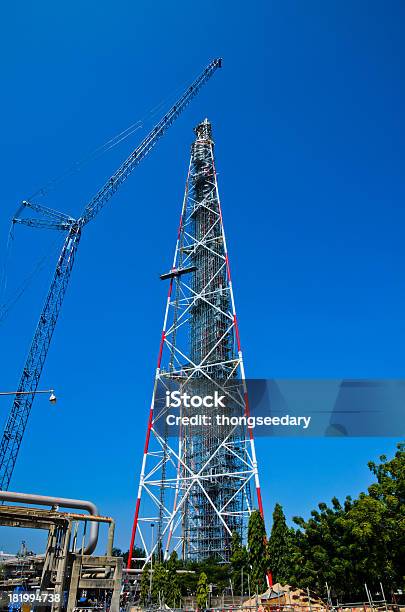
x,y
20,410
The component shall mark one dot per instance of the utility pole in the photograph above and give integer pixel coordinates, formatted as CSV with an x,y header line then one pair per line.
x,y
151,563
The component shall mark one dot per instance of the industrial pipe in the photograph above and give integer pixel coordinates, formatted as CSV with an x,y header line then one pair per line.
x,y
45,500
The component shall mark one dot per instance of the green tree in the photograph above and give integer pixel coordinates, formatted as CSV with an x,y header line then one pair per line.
x,y
376,523
172,591
145,585
280,547
322,548
202,591
159,580
239,564
257,552
361,541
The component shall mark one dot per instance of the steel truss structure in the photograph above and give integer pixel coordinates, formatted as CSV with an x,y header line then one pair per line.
x,y
196,486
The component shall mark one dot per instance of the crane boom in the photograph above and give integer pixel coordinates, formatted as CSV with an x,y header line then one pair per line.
x,y
110,187
21,407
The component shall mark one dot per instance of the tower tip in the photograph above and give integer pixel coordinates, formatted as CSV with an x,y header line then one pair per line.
x,y
203,130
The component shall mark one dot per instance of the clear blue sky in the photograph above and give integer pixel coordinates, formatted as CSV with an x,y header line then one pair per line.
x,y
309,126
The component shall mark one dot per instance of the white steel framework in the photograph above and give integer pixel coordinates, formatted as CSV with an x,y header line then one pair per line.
x,y
196,487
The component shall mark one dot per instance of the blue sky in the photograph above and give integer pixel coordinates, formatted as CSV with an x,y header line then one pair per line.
x,y
308,121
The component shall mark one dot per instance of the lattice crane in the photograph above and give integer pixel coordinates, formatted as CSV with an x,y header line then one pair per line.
x,y
20,410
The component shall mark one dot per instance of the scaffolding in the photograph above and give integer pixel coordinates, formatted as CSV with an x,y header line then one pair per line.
x,y
211,344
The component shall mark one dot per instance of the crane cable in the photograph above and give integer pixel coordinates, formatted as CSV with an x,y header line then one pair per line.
x,y
6,306
4,275
111,143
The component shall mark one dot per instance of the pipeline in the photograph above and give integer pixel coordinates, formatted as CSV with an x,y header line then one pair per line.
x,y
45,500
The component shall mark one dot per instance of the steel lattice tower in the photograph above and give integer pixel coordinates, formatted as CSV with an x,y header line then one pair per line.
x,y
196,489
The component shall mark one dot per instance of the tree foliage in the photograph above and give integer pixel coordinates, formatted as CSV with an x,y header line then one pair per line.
x,y
280,547
145,585
361,541
257,552
172,590
239,564
202,591
159,583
